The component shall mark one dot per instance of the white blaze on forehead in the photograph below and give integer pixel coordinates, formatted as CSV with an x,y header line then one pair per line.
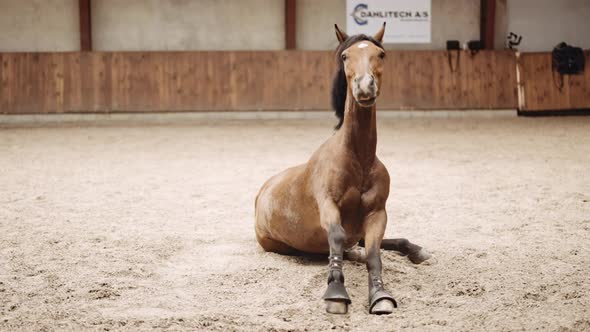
x,y
363,45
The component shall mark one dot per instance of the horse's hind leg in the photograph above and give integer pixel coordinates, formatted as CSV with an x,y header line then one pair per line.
x,y
415,253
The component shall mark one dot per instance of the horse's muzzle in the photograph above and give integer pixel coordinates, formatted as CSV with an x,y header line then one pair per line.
x,y
365,91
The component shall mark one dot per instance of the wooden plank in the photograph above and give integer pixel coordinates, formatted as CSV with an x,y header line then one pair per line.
x,y
504,74
579,87
84,9
27,94
52,86
9,83
467,79
87,81
73,99
449,72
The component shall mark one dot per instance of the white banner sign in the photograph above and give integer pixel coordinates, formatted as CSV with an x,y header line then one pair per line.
x,y
408,21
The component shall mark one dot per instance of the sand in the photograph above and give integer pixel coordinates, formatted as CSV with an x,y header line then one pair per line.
x,y
151,226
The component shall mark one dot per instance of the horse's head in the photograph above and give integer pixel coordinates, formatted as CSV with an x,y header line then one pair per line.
x,y
360,59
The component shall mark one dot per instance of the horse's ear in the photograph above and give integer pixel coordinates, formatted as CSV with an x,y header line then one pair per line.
x,y
340,34
379,35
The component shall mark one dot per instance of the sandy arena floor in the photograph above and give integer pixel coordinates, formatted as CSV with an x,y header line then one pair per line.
x,y
141,227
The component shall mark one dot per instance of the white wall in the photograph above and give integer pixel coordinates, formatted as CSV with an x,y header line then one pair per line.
x,y
53,25
315,23
451,19
188,25
39,25
545,23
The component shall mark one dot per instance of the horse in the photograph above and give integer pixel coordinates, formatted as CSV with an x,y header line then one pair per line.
x,y
337,199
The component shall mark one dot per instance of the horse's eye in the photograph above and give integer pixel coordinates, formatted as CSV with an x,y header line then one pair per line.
x,y
381,55
343,56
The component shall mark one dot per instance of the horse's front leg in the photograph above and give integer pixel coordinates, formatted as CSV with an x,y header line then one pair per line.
x,y
380,301
336,297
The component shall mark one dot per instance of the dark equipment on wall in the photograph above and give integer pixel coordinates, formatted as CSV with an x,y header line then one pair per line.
x,y
474,46
566,60
453,45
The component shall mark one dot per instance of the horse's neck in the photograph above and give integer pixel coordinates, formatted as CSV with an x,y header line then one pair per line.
x,y
359,132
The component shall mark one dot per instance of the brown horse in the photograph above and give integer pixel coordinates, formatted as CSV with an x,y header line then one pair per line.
x,y
337,199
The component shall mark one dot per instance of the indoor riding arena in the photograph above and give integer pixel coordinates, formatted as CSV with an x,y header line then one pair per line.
x,y
294,165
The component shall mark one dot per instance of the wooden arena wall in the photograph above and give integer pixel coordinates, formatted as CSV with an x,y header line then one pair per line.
x,y
243,80
275,80
539,85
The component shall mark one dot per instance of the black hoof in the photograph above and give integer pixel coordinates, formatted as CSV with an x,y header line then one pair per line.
x,y
336,292
336,307
336,297
383,307
381,303
419,256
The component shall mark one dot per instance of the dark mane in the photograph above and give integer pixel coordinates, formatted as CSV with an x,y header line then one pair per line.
x,y
339,85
